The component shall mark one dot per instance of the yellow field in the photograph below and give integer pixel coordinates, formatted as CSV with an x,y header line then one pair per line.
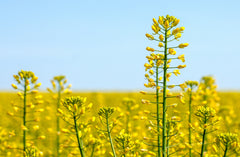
x,y
138,125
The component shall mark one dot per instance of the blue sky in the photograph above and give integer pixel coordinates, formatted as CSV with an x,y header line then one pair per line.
x,y
100,45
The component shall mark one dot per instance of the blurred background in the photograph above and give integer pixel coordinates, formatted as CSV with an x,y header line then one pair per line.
x,y
100,45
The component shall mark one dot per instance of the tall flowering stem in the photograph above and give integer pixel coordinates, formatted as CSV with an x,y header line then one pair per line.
x,y
105,113
207,97
228,141
207,119
75,108
58,85
125,143
130,105
164,31
191,85
28,81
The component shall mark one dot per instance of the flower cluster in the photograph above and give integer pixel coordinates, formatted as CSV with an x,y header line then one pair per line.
x,y
28,81
228,139
159,69
76,108
125,143
59,85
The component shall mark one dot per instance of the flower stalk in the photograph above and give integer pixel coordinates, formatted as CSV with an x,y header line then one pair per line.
x,y
79,139
203,139
106,113
206,116
164,108
191,85
76,109
159,63
58,83
110,137
227,141
58,121
28,81
24,114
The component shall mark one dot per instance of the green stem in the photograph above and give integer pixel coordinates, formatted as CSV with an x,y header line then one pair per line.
x,y
203,142
225,151
205,99
24,116
127,120
164,98
203,138
190,122
93,147
168,132
110,138
58,123
124,150
80,145
158,114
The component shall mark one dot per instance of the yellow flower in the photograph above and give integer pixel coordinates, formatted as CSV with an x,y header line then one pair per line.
x,y
145,101
182,58
178,35
42,137
160,62
146,75
10,113
176,118
151,72
171,86
171,51
181,66
168,32
12,133
34,79
143,92
161,37
35,127
14,86
63,130
182,100
150,49
155,21
150,80
75,108
37,85
188,145
168,76
176,72
175,23
183,85
27,82
166,24
160,20
183,45
175,31
151,153
182,29
160,44
149,57
28,88
154,29
150,37
24,128
147,66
